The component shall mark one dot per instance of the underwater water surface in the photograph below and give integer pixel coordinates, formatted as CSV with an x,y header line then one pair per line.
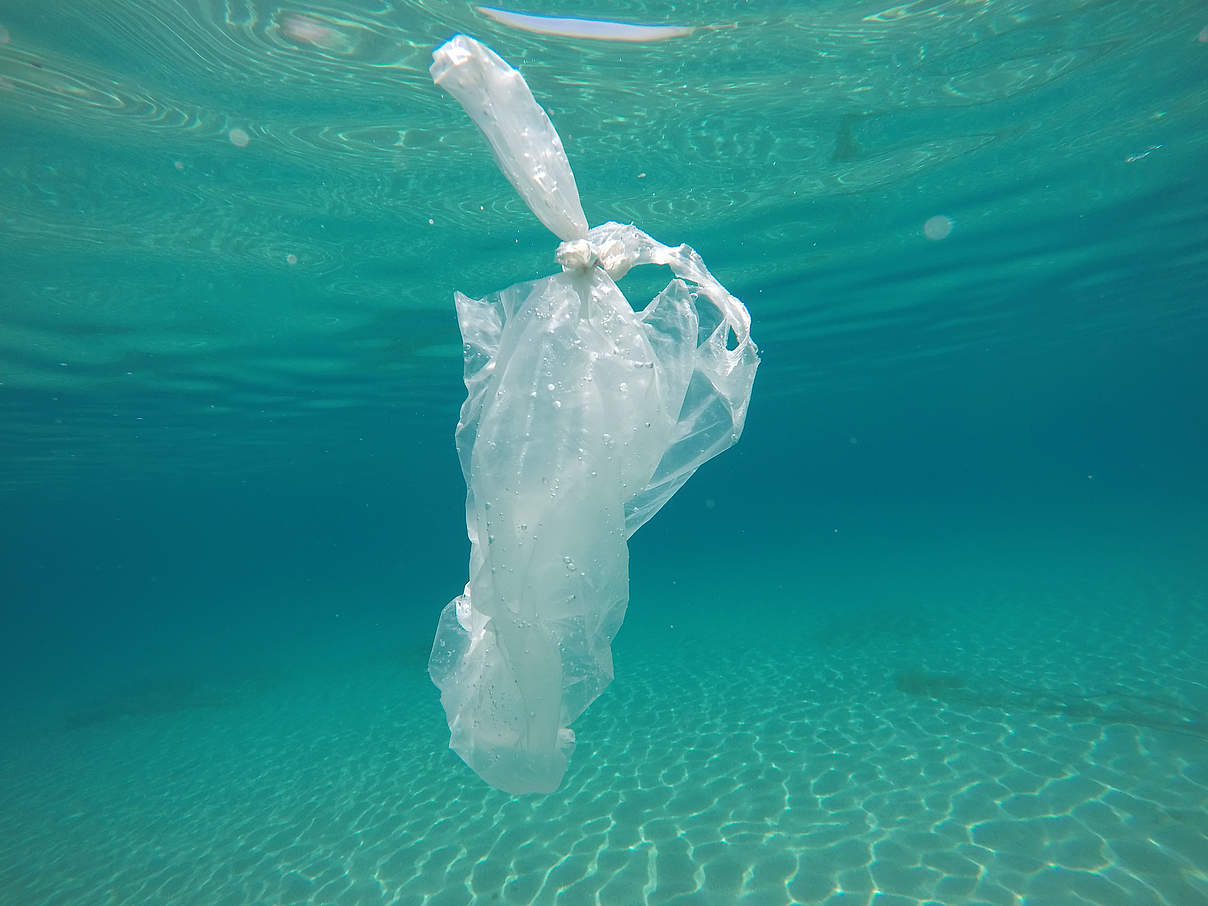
x,y
935,631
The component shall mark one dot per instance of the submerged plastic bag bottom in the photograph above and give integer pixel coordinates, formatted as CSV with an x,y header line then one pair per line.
x,y
582,418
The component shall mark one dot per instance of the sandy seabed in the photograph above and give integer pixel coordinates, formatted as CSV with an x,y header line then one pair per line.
x,y
971,751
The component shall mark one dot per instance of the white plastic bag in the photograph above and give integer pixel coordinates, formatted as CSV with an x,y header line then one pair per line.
x,y
582,418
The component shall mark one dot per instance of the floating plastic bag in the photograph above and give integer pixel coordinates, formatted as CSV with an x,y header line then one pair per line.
x,y
582,418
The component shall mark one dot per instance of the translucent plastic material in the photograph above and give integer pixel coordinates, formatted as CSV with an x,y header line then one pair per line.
x,y
582,418
524,142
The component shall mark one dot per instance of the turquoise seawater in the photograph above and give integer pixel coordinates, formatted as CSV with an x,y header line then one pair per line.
x,y
934,632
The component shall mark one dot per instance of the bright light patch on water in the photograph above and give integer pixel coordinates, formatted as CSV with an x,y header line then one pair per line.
x,y
593,29
306,30
937,227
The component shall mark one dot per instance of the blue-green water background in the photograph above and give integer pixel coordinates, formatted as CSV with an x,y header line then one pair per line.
x,y
229,375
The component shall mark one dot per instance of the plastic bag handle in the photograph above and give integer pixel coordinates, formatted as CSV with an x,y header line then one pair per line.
x,y
522,138
616,247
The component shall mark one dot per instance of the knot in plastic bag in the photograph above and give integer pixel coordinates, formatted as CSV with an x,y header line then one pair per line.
x,y
612,255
